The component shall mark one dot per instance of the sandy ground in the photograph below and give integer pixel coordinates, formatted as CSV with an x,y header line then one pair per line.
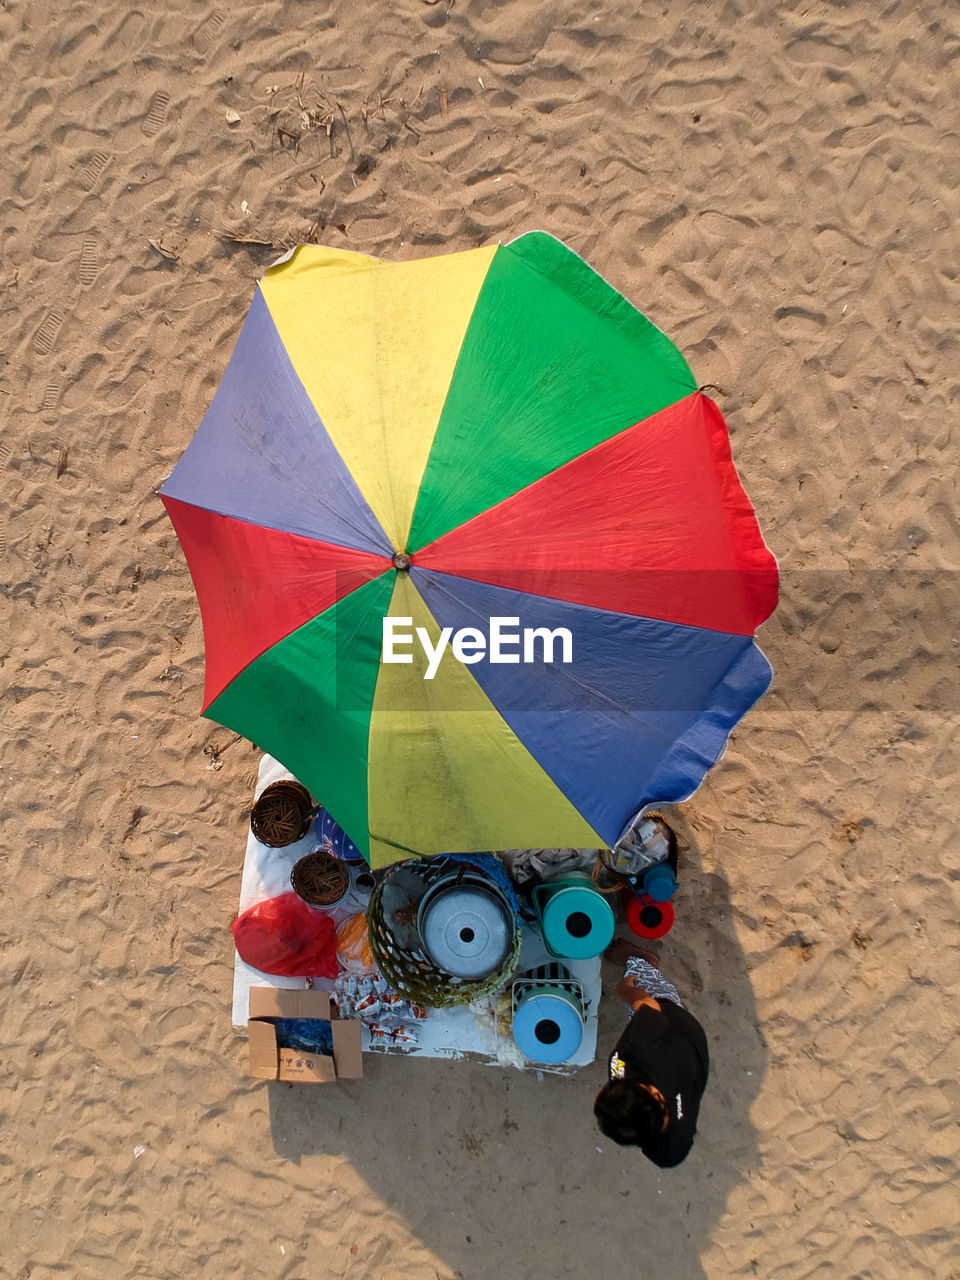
x,y
776,186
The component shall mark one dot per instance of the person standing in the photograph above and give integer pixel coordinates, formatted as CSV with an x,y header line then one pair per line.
x,y
658,1069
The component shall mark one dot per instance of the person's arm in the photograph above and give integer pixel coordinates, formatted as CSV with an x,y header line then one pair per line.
x,y
633,994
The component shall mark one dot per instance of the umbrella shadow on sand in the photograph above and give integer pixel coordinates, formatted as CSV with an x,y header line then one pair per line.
x,y
500,1174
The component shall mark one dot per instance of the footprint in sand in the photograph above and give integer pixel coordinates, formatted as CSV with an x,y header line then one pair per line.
x,y
92,171
4,459
46,336
129,34
89,259
51,398
157,113
207,32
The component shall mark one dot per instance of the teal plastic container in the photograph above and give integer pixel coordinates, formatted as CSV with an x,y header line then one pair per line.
x,y
575,920
658,882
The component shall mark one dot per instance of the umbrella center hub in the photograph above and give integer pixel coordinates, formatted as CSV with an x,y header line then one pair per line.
x,y
402,561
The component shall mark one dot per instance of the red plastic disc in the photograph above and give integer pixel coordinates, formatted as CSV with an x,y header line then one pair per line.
x,y
649,919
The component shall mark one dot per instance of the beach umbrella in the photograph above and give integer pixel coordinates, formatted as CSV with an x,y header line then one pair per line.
x,y
471,554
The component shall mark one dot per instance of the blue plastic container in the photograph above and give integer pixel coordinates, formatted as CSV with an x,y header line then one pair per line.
x,y
548,1015
658,882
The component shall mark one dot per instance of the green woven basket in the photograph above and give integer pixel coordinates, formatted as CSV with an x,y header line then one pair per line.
x,y
408,968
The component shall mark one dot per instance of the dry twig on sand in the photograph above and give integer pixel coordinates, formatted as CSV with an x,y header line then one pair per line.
x,y
241,237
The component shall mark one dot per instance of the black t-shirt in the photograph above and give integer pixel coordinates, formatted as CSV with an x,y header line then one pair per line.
x,y
667,1049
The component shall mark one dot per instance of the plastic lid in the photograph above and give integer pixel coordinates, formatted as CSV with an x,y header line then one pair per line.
x,y
466,931
649,919
547,1028
577,922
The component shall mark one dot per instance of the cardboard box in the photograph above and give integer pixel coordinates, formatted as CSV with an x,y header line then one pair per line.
x,y
269,1062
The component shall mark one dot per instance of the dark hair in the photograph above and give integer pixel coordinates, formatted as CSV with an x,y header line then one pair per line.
x,y
629,1114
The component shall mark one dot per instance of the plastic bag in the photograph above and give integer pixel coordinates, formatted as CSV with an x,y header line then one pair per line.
x,y
650,841
353,945
285,936
308,1035
390,1018
525,865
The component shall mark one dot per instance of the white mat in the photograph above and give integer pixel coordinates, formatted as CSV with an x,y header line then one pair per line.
x,y
446,1033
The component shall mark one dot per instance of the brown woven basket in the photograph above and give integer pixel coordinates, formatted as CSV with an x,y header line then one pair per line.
x,y
282,814
320,879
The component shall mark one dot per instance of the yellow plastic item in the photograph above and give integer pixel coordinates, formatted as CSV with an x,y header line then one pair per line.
x,y
353,945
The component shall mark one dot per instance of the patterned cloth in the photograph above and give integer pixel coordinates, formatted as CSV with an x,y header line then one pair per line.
x,y
652,980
